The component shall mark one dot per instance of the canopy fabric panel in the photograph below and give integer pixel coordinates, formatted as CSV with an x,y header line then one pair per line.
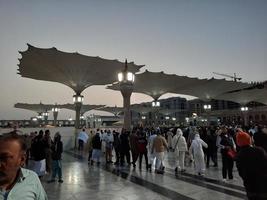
x,y
39,108
114,110
141,109
245,96
207,89
85,107
155,84
72,69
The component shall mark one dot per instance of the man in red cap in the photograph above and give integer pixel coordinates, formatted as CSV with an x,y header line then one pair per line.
x,y
251,163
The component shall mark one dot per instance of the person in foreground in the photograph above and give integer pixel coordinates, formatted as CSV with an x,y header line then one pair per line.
x,y
17,183
251,163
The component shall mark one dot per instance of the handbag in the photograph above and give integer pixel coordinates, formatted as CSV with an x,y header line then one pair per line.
x,y
231,153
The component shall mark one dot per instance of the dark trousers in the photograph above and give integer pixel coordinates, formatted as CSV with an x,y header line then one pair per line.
x,y
80,145
134,156
227,166
125,154
213,157
90,154
140,159
117,153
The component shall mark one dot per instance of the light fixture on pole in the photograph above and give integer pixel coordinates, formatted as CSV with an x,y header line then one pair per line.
x,y
244,108
45,116
55,111
207,107
155,104
126,80
78,101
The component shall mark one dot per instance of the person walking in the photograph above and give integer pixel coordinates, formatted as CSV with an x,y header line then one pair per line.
x,y
133,146
141,146
124,147
96,154
109,139
196,149
180,148
38,154
82,139
159,147
57,149
225,143
48,143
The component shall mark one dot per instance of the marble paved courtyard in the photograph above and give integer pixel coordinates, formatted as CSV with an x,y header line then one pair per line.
x,y
83,181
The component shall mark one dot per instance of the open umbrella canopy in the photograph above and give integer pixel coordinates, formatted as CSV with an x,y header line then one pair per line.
x,y
154,84
72,69
85,108
207,89
139,108
39,108
114,110
246,96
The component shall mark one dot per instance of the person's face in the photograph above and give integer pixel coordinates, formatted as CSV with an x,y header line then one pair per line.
x,y
11,159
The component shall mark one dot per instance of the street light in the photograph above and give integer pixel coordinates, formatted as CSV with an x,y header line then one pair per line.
x,y
55,111
155,104
167,117
126,80
143,117
243,109
77,100
207,107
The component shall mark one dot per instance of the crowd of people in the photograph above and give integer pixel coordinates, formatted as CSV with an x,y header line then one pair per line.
x,y
246,147
197,145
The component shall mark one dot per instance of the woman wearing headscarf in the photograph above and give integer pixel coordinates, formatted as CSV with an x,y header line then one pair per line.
x,y
226,143
196,149
180,148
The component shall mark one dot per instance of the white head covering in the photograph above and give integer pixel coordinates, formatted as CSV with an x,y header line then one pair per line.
x,y
179,132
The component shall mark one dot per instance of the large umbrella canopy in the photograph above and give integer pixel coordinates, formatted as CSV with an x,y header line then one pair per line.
x,y
139,108
154,84
245,96
72,69
207,89
39,108
85,108
114,110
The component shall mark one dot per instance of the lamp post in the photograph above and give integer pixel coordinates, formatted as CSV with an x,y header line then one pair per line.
x,y
126,80
45,115
77,100
244,110
82,120
55,111
207,108
156,105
